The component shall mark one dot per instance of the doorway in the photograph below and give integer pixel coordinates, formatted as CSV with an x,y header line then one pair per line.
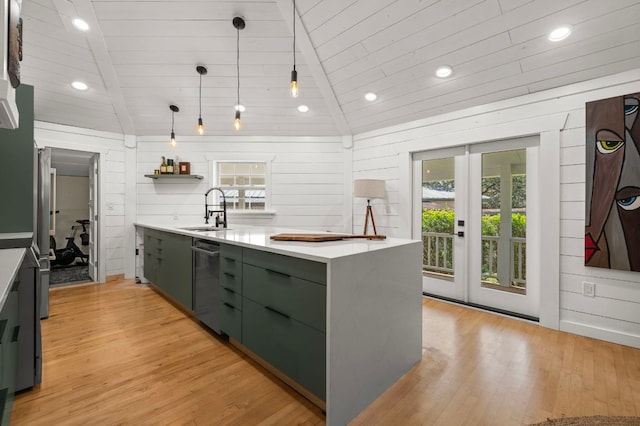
x,y
73,232
477,214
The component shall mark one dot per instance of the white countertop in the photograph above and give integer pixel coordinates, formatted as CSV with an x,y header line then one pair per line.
x,y
258,237
10,261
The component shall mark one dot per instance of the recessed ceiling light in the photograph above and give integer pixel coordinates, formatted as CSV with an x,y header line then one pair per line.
x,y
79,85
303,108
444,71
80,24
560,33
371,96
241,108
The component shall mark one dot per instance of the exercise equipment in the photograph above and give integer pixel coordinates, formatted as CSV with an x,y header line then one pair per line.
x,y
66,255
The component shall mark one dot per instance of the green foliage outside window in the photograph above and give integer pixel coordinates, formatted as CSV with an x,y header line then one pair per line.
x,y
444,220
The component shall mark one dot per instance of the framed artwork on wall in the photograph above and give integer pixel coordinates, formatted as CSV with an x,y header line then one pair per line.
x,y
612,217
15,42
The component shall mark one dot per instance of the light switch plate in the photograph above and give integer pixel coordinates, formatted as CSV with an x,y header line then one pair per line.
x,y
589,289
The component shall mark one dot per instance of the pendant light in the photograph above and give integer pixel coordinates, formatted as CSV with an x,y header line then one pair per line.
x,y
173,109
294,74
239,24
202,70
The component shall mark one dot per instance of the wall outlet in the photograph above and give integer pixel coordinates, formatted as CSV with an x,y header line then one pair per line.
x,y
588,289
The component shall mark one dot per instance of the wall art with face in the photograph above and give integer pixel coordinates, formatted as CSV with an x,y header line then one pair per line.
x,y
612,225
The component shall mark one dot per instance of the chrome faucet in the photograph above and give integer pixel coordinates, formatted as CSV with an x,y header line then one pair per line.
x,y
208,213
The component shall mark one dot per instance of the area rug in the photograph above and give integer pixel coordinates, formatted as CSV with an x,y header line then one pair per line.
x,y
69,274
591,421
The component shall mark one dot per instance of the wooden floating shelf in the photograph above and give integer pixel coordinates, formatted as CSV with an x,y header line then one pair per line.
x,y
174,176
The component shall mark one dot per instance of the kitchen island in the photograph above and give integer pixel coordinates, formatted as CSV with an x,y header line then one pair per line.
x,y
340,321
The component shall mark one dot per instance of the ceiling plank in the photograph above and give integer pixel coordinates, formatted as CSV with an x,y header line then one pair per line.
x,y
314,64
104,64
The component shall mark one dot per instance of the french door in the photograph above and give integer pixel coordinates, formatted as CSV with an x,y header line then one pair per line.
x,y
476,210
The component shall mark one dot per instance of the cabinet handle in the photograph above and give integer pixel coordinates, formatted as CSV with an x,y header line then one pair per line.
x,y
277,272
275,311
16,332
15,285
229,274
229,259
228,305
228,289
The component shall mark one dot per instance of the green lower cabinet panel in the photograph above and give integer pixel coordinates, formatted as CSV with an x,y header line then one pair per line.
x,y
231,320
303,268
302,300
290,346
150,267
231,297
174,269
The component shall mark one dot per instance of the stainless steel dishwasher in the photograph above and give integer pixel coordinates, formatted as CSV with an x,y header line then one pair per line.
x,y
206,278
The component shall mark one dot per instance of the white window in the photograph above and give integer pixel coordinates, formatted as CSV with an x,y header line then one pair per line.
x,y
243,184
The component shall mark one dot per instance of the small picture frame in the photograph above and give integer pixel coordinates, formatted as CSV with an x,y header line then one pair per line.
x,y
185,168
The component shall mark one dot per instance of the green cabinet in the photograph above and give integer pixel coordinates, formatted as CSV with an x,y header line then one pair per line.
x,y
168,264
275,305
9,333
231,290
289,345
16,173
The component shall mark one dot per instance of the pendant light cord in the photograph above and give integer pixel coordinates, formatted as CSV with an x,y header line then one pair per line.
x,y
172,117
294,35
238,63
200,97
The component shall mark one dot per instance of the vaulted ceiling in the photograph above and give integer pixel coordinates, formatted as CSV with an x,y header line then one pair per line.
x,y
140,56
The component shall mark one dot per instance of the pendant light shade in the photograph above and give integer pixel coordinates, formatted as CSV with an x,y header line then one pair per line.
x,y
173,109
294,74
202,70
239,24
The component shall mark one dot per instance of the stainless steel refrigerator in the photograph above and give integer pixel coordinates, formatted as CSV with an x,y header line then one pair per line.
x,y
43,217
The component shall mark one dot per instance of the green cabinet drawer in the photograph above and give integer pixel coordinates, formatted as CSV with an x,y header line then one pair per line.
x,y
301,268
231,320
300,299
231,262
290,346
230,251
231,296
150,266
152,241
231,280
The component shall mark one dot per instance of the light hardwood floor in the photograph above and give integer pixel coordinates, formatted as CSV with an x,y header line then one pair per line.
x,y
119,354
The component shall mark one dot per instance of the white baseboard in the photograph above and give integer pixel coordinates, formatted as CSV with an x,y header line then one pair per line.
x,y
613,336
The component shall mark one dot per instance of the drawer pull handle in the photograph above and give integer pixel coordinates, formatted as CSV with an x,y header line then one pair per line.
x,y
229,289
228,305
229,274
229,259
277,272
275,311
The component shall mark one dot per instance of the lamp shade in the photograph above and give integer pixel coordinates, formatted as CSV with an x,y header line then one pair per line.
x,y
369,188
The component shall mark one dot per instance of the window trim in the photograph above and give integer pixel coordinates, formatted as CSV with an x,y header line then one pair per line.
x,y
251,158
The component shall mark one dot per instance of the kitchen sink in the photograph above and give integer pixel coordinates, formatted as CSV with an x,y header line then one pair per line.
x,y
204,228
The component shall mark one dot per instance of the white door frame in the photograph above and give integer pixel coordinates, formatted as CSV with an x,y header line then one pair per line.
x,y
549,128
101,151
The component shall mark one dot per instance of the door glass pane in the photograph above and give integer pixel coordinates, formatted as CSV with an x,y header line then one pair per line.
x,y
438,208
504,219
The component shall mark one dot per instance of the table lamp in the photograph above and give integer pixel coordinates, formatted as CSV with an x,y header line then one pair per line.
x,y
369,189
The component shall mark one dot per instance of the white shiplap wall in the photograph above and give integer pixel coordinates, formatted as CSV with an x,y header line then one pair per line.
x,y
611,315
110,146
307,179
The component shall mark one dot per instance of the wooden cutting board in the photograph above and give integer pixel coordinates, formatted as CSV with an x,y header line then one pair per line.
x,y
322,237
